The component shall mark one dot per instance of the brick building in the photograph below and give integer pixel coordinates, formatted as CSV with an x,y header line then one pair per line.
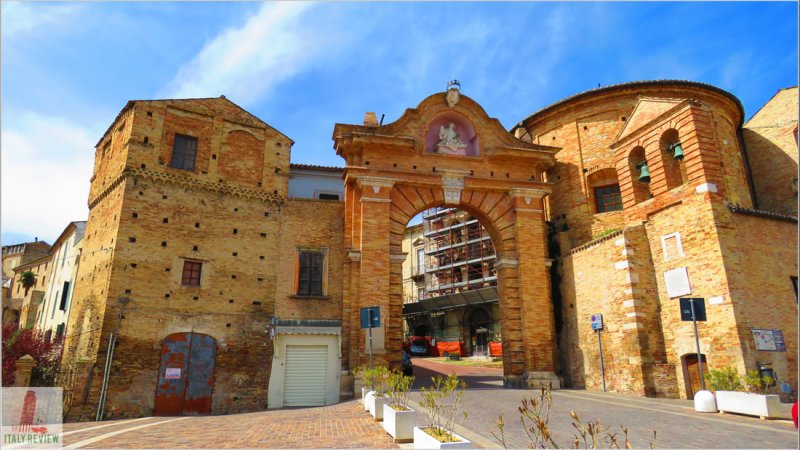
x,y
227,292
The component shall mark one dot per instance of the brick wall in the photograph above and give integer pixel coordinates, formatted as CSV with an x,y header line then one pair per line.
x,y
770,137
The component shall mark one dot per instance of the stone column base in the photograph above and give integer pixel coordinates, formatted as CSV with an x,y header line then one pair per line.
x,y
532,380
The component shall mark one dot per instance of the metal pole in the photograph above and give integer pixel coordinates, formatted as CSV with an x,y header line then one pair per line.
x,y
100,404
112,342
602,367
697,341
369,320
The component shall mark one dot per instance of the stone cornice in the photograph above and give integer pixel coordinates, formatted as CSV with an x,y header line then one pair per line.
x,y
192,183
528,193
398,258
375,181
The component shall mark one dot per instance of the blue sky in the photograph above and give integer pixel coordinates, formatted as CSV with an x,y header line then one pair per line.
x,y
68,68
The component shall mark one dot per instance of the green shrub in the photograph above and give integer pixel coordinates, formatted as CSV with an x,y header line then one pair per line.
x,y
725,379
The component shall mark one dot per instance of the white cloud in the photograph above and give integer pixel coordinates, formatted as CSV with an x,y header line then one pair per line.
x,y
245,62
22,17
46,166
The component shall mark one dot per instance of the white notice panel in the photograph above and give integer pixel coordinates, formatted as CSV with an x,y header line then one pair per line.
x,y
677,281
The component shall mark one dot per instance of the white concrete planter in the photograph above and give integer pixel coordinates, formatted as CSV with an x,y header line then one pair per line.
x,y
764,406
425,440
364,392
376,406
369,400
399,424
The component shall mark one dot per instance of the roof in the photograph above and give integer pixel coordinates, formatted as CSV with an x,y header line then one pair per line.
x,y
71,226
315,167
630,85
10,249
35,262
189,101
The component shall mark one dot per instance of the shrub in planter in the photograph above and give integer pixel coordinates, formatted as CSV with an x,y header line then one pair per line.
x,y
725,379
398,418
442,405
376,379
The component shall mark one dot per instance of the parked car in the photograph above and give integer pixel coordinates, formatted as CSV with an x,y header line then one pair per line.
x,y
408,367
418,349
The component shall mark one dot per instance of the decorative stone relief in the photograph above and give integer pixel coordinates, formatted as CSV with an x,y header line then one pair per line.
x,y
452,189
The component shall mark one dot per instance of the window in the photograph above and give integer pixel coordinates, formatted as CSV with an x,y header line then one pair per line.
x,y
184,152
420,261
672,246
191,273
608,198
310,271
420,293
324,196
64,297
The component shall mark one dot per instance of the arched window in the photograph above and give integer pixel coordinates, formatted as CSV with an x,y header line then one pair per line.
x,y
672,157
640,174
605,191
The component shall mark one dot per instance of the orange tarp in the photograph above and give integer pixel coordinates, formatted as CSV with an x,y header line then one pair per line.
x,y
495,349
452,348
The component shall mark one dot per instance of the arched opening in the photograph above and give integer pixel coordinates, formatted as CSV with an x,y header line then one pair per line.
x,y
672,158
640,174
482,330
459,284
604,191
691,372
186,375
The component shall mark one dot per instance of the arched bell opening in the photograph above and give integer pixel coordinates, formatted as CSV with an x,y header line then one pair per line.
x,y
640,174
672,157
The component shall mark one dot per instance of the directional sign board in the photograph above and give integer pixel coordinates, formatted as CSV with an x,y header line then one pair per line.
x,y
371,317
597,322
699,309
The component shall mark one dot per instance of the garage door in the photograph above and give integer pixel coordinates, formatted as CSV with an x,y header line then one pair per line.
x,y
306,375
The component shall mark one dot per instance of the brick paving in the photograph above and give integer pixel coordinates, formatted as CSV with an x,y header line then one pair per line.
x,y
345,425
676,422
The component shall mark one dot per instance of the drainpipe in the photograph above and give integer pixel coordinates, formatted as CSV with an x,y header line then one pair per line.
x,y
112,342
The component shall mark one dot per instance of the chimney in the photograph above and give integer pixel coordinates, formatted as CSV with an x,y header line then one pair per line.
x,y
370,119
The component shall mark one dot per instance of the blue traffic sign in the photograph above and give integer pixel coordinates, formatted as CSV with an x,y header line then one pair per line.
x,y
371,317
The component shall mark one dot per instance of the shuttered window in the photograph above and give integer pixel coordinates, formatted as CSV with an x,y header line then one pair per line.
x,y
184,152
310,272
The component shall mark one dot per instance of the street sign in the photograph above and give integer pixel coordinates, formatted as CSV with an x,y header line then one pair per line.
x,y
699,309
371,317
597,322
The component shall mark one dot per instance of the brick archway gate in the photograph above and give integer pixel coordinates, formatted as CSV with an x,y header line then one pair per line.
x,y
446,153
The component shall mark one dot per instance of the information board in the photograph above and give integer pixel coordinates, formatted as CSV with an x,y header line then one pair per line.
x,y
769,340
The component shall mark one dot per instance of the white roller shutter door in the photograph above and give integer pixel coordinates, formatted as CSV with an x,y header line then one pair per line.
x,y
305,375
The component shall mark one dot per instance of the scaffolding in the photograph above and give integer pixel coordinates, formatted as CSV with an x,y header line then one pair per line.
x,y
459,254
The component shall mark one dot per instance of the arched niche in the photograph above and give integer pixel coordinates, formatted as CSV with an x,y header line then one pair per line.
x,y
641,189
674,169
450,133
604,190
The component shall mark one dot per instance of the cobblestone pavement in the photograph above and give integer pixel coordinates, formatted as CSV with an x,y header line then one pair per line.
x,y
345,425
676,422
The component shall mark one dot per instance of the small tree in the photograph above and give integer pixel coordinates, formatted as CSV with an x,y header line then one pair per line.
x,y
399,387
27,279
20,342
442,403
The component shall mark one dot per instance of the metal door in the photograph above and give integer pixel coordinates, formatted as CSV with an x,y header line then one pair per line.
x,y
186,375
305,375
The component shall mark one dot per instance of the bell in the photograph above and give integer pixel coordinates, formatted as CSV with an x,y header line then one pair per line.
x,y
678,151
644,174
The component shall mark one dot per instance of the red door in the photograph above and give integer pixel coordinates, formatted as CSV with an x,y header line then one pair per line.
x,y
186,375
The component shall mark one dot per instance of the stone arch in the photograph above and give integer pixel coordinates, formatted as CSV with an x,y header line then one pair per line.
x,y
390,178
